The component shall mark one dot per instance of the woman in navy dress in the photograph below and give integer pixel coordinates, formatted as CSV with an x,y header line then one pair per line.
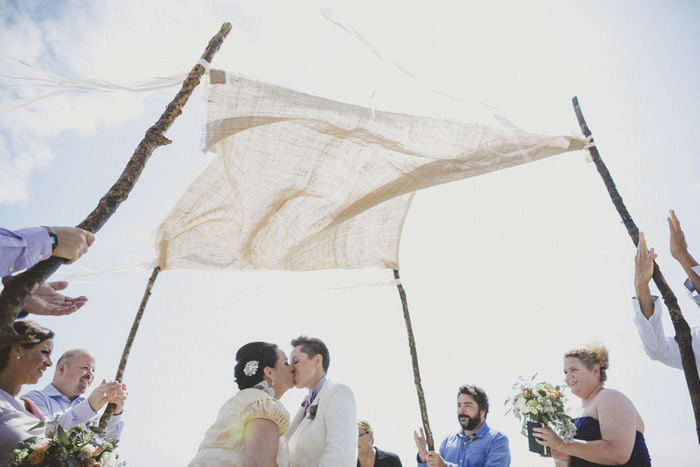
x,y
610,430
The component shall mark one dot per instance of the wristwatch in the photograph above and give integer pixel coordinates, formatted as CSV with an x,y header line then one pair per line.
x,y
53,237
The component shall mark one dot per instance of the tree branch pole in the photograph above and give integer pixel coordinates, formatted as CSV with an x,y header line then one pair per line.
x,y
104,420
18,289
414,359
683,337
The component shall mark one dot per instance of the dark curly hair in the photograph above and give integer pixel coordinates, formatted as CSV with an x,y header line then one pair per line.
x,y
478,394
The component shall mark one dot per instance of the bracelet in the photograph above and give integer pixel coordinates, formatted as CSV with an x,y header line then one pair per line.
x,y
53,237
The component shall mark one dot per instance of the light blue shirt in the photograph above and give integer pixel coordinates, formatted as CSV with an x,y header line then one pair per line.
x,y
52,403
488,449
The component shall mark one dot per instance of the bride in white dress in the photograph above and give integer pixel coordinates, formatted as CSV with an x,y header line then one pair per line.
x,y
250,426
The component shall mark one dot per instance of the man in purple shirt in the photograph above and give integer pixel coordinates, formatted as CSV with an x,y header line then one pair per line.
x,y
475,445
23,248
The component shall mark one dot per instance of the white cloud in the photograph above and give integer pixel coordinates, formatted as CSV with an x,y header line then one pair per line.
x,y
88,40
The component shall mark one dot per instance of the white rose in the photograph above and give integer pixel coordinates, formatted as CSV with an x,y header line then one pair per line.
x,y
521,405
108,459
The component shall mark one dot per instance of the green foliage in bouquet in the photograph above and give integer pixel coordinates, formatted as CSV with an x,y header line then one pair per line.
x,y
542,403
80,446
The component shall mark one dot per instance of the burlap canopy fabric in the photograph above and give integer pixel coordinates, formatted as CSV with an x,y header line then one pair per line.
x,y
300,182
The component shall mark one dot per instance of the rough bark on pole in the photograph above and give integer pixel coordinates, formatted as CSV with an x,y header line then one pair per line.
x,y
683,336
19,288
416,370
104,420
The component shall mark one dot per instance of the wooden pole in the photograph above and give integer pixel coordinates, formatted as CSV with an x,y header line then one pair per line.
x,y
416,370
19,288
104,420
683,336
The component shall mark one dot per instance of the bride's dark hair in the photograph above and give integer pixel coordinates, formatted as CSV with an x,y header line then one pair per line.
x,y
262,352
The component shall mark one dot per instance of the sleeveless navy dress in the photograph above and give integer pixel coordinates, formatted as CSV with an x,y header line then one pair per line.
x,y
588,429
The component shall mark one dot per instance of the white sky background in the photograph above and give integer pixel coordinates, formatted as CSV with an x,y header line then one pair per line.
x,y
503,272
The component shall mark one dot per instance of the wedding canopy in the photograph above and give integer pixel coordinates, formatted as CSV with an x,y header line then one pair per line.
x,y
300,182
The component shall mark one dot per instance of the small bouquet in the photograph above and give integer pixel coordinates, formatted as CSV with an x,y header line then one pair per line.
x,y
541,404
80,446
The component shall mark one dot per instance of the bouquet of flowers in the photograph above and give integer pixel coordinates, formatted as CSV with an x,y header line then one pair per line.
x,y
541,403
80,446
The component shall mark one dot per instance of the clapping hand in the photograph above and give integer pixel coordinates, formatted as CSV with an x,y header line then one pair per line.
x,y
106,392
421,444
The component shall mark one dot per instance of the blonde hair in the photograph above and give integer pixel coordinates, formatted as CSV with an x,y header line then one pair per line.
x,y
364,426
592,354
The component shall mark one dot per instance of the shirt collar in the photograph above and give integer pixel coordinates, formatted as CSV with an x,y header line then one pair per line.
x,y
54,393
314,392
480,433
308,400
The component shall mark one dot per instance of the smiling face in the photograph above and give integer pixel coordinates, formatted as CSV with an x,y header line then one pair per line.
x,y
582,381
468,413
307,371
281,374
75,374
34,361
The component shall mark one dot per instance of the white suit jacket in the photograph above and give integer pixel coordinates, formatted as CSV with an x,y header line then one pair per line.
x,y
330,439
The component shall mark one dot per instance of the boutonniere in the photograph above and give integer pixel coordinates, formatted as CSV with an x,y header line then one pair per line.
x,y
472,437
312,411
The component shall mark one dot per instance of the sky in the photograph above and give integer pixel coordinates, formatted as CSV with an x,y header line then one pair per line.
x,y
503,272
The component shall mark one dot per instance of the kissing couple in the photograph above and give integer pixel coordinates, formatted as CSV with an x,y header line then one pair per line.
x,y
254,429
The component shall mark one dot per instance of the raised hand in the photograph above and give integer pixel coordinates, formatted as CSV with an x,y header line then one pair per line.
x,y
643,263
421,444
46,301
679,247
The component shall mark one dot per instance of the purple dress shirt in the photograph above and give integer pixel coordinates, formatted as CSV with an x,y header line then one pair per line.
x,y
22,248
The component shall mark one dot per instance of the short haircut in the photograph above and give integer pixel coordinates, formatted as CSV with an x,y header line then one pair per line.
x,y
313,346
478,394
364,426
69,354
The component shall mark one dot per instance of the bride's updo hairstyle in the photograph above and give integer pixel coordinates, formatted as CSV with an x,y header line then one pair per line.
x,y
25,328
591,355
251,360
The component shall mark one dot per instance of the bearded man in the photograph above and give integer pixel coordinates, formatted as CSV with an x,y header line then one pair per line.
x,y
475,445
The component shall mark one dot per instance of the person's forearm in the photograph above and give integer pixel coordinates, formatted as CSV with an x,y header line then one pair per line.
x,y
646,304
688,263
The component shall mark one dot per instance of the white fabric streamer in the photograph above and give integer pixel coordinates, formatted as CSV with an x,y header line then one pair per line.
x,y
361,285
79,277
330,16
66,85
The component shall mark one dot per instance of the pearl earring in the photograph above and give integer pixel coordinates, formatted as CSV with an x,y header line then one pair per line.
x,y
272,382
18,357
